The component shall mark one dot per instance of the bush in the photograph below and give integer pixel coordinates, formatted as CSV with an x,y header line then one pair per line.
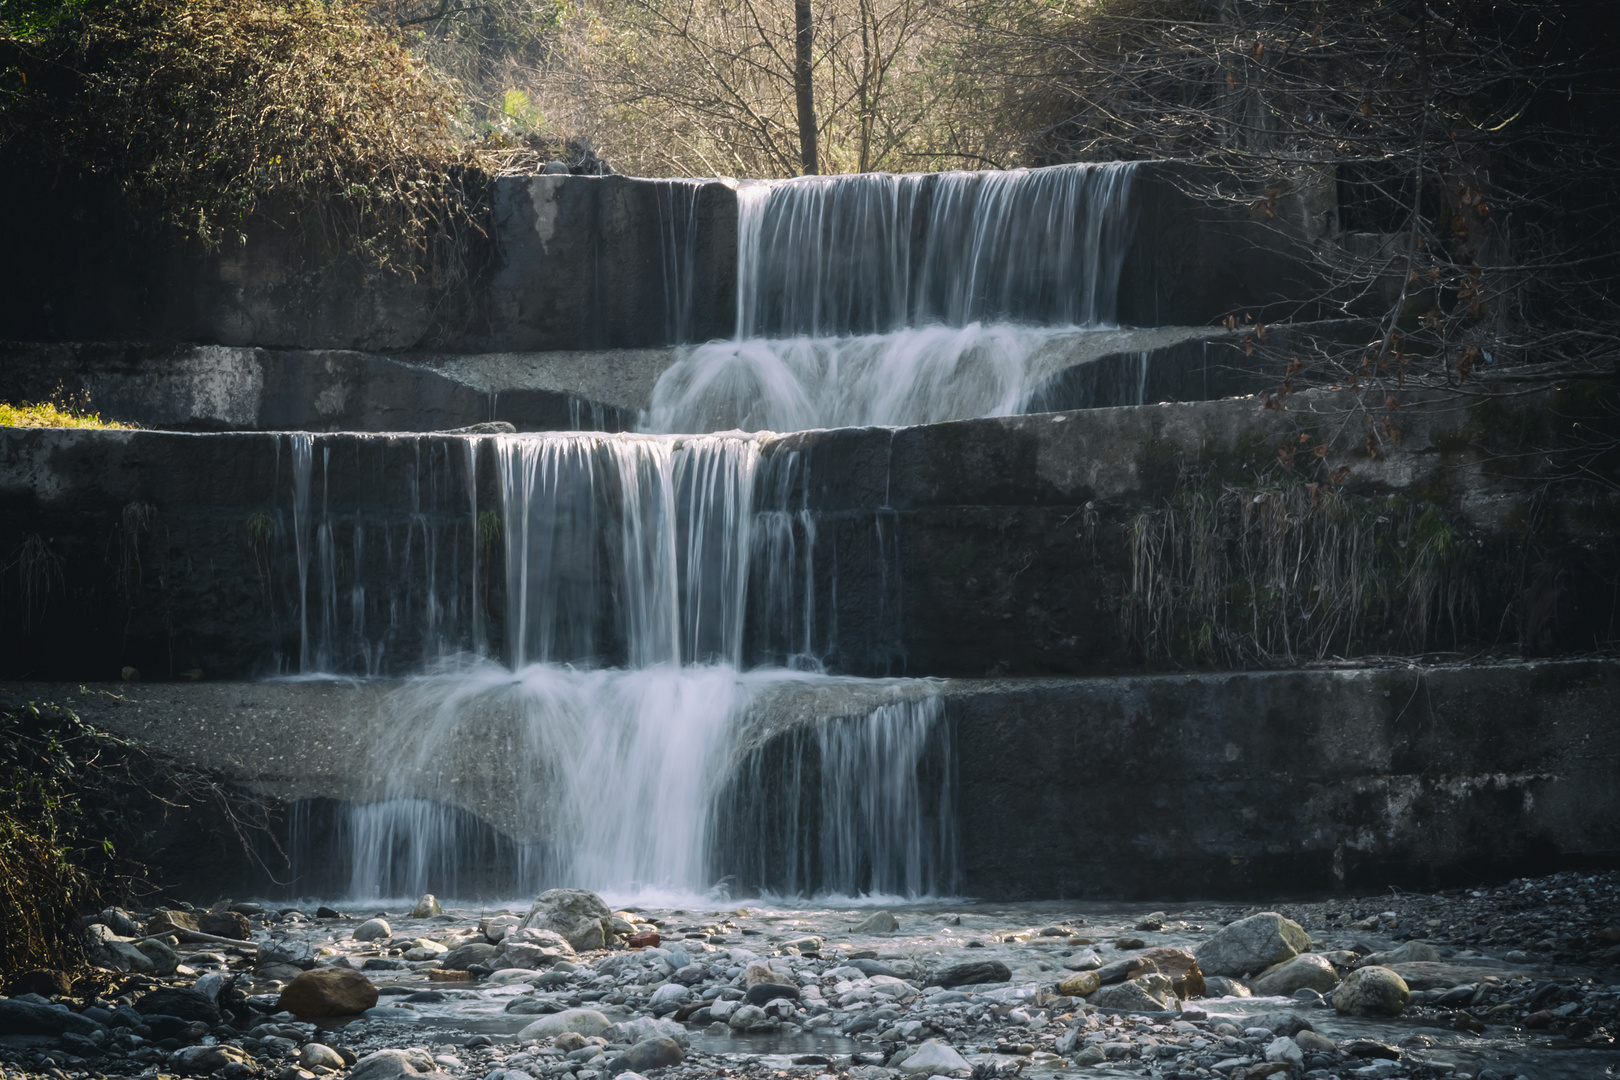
x,y
211,113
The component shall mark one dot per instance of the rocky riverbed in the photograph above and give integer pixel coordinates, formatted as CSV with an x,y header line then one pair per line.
x,y
1516,980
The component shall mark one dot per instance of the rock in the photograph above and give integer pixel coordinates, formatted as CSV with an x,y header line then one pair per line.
x,y
1372,991
806,946
1312,1043
1152,922
763,993
1136,995
293,953
207,1060
1083,960
465,956
1372,1048
1307,971
427,907
1090,1054
1411,951
26,1018
971,973
1186,977
577,914
642,1028
324,912
1287,1051
187,1004
746,1017
119,922
314,1054
1427,975
393,1065
372,929
587,1022
649,1054
226,924
643,939
1079,984
1128,968
936,1058
668,998
278,972
328,992
1128,943
1252,944
1220,986
879,922
164,958
46,982
871,967
1279,1022
760,972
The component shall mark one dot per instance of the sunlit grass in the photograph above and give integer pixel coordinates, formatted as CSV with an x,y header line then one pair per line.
x,y
50,414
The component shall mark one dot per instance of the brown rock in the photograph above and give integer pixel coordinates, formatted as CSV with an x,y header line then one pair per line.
x,y
166,922
228,924
1182,967
328,992
643,939
1609,933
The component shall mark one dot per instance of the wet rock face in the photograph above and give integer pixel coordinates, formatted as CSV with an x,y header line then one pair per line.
x,y
1252,944
329,992
1372,991
579,915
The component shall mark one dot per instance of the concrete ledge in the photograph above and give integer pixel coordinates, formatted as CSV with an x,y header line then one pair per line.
x,y
1170,786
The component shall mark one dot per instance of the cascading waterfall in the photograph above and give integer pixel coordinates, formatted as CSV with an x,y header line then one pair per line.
x,y
583,710
882,299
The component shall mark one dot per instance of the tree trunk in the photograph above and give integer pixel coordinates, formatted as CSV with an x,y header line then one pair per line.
x,y
804,37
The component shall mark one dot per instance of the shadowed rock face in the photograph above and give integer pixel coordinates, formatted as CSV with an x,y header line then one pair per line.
x,y
569,262
1001,545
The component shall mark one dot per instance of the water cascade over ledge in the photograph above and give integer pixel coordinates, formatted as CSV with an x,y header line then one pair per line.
x,y
909,299
618,676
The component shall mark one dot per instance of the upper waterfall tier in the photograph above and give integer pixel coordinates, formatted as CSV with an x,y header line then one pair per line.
x,y
873,253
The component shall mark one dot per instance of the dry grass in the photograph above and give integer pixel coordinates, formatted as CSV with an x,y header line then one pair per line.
x,y
1283,573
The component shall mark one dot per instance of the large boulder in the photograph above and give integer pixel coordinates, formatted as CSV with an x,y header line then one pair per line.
x,y
587,1022
935,1058
27,1018
394,1065
656,1053
1079,984
207,1060
1148,993
328,992
187,1004
372,929
1186,977
227,924
577,914
465,956
1372,991
1307,971
1252,944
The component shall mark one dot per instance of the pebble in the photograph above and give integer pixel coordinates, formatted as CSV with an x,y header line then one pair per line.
x,y
773,976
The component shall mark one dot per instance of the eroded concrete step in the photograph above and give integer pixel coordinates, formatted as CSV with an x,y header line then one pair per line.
x,y
1170,786
229,388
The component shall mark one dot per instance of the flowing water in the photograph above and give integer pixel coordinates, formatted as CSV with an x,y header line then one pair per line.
x,y
616,650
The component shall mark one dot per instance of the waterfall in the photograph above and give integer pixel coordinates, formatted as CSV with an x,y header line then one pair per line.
x,y
619,644
894,300
837,256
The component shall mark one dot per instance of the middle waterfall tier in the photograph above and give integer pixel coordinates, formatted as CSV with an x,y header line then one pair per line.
x,y
391,554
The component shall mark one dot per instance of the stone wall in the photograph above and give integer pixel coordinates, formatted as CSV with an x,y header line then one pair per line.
x,y
568,262
1167,786
986,546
